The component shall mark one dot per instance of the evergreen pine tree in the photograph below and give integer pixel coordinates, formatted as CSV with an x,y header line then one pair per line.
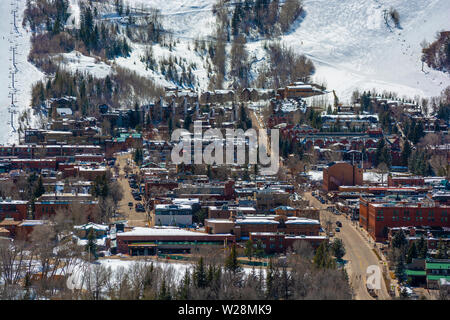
x,y
322,258
40,190
200,274
231,263
422,248
91,246
406,153
249,249
338,248
412,253
164,292
184,289
399,240
269,280
400,270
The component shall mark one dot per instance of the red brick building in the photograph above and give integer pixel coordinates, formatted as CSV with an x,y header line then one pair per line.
x,y
16,209
159,187
43,209
405,181
278,243
377,216
341,174
34,164
291,226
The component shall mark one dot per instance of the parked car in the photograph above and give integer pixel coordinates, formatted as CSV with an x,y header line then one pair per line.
x,y
339,224
338,230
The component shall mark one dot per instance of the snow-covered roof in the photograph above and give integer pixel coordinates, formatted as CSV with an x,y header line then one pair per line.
x,y
256,221
185,201
91,225
173,206
159,231
297,220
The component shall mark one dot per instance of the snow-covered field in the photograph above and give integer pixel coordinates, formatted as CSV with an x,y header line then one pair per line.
x,y
27,75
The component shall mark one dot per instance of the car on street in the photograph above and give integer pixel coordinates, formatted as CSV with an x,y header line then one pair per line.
x,y
139,207
130,204
337,230
339,224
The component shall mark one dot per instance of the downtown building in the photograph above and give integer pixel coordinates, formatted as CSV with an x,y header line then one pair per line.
x,y
377,215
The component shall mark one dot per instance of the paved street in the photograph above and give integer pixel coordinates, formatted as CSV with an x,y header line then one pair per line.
x,y
135,219
358,252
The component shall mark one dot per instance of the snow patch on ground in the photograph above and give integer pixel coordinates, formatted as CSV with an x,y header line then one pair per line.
x,y
316,175
75,61
370,176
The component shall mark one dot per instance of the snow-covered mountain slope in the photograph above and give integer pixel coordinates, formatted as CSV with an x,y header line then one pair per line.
x,y
352,47
349,41
27,73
